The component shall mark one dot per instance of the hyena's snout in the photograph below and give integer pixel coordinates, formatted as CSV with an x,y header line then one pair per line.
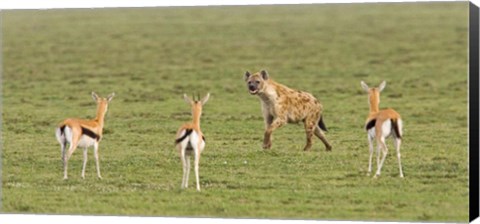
x,y
252,87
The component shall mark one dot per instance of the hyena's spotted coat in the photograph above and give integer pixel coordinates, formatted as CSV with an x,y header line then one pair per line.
x,y
281,105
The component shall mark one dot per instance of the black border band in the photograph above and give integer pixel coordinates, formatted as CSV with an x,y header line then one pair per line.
x,y
473,112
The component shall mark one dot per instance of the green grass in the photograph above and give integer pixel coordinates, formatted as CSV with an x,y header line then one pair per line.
x,y
53,59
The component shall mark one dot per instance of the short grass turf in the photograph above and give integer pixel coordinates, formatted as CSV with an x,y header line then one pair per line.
x,y
53,59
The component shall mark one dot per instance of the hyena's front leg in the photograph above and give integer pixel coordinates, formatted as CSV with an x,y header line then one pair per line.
x,y
268,119
267,116
267,140
309,130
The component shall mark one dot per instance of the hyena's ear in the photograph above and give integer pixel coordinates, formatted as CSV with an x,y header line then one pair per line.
x,y
364,86
264,74
247,75
94,96
382,86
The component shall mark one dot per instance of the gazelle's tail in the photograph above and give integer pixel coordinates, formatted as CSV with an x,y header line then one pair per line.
x,y
60,134
397,127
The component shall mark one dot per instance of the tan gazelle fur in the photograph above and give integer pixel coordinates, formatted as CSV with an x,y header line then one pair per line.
x,y
83,133
190,139
380,125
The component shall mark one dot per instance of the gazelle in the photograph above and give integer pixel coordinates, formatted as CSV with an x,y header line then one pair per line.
x,y
190,139
380,125
83,133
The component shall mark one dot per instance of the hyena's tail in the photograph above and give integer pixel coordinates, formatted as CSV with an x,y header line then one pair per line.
x,y
321,124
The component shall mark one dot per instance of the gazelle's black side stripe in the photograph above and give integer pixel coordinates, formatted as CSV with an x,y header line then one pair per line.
x,y
203,137
187,133
90,133
370,124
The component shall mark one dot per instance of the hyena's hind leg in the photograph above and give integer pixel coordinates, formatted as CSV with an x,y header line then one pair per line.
x,y
319,133
309,130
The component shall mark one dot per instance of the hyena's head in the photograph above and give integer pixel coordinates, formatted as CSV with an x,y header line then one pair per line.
x,y
256,83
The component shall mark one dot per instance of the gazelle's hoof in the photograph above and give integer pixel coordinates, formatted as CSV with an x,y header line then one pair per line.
x,y
368,174
65,178
328,148
376,176
100,177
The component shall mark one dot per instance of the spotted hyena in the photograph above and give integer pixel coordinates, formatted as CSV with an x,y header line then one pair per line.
x,y
281,105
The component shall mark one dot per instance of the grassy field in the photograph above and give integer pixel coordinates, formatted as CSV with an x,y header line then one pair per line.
x,y
53,59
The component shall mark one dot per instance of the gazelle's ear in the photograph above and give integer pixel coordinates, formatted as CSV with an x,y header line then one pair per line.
x,y
382,86
94,96
247,75
187,99
364,86
110,97
205,98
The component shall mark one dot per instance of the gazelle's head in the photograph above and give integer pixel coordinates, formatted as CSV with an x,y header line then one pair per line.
x,y
102,103
256,82
196,104
373,93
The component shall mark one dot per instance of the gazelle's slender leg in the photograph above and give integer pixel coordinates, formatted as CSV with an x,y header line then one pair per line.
x,y
197,174
379,149
64,148
97,159
398,142
184,165
188,171
65,167
84,161
384,149
73,146
370,147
